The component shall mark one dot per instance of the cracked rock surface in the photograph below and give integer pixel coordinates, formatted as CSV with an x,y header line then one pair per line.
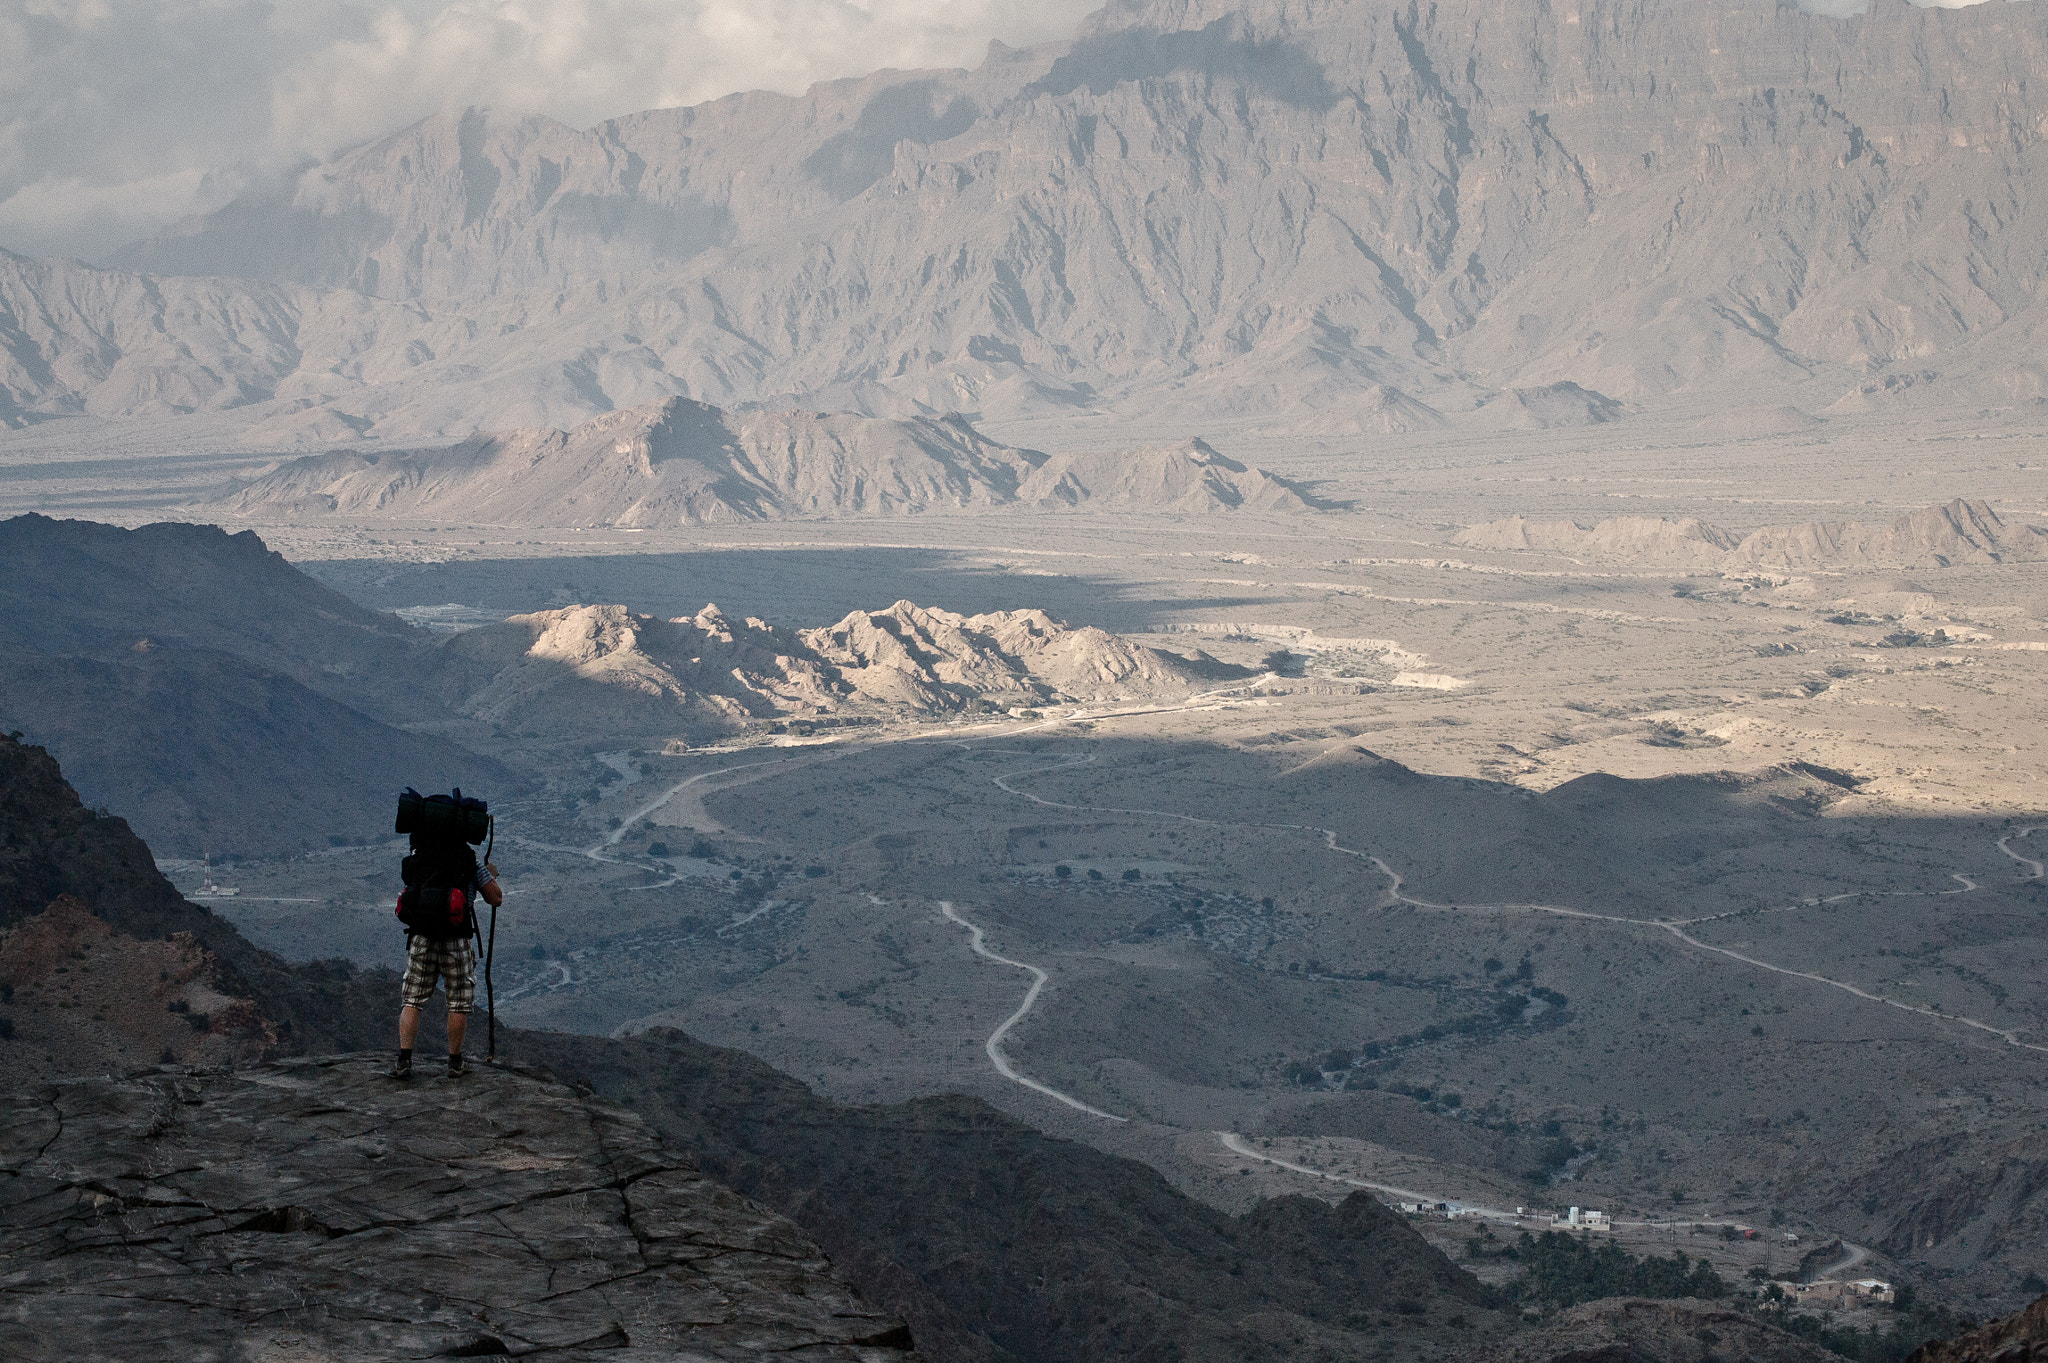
x,y
313,1209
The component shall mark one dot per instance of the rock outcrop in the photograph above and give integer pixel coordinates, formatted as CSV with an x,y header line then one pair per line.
x,y
680,462
605,666
313,1209
1957,532
81,998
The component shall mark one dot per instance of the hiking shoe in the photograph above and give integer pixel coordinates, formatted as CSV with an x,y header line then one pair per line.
x,y
456,1067
401,1071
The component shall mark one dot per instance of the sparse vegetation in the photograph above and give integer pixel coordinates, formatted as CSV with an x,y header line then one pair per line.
x,y
1560,1270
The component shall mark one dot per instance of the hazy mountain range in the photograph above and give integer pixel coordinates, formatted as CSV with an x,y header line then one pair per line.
x,y
1355,217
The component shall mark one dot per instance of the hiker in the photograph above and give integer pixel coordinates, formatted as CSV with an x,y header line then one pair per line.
x,y
444,878
453,962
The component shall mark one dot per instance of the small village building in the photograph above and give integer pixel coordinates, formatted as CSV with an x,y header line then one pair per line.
x,y
1583,1218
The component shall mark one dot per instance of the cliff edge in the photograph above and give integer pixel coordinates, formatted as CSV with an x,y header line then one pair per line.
x,y
312,1209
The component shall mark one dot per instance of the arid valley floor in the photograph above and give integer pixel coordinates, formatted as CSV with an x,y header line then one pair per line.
x,y
1503,878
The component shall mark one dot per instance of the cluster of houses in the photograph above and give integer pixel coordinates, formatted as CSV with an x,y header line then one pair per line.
x,y
1829,1293
1578,1218
1832,1293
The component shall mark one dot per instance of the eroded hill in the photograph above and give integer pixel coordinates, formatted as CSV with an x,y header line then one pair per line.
x,y
685,463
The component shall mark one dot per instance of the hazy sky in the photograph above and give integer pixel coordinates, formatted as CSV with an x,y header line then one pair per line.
x,y
118,116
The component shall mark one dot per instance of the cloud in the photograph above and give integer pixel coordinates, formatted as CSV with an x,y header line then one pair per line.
x,y
120,116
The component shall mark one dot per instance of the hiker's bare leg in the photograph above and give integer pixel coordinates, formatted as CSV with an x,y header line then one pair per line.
x,y
408,1027
458,1027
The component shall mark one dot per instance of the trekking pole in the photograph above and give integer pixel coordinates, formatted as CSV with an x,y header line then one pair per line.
x,y
490,950
491,994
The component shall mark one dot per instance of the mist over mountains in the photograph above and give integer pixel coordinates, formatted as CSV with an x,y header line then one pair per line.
x,y
1367,218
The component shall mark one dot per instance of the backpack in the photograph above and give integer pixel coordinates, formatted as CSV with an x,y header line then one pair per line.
x,y
437,901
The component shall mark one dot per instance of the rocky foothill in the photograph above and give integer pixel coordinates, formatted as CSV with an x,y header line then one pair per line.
x,y
1960,531
680,462
610,670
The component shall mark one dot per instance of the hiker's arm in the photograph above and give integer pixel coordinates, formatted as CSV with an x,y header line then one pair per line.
x,y
494,893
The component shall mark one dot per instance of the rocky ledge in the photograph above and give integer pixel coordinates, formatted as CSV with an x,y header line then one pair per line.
x,y
313,1209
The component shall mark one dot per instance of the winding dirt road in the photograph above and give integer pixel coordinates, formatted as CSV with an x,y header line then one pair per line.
x,y
994,1046
2029,861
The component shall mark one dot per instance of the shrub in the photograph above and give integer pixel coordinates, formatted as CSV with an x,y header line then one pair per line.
x,y
657,849
1063,871
1132,874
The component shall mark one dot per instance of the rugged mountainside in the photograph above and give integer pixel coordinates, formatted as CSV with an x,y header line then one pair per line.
x,y
80,587
1957,532
226,700
680,462
2021,1337
997,1242
1353,216
1626,1329
605,667
57,855
312,1208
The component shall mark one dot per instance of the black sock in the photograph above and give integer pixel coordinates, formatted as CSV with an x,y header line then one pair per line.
x,y
405,1057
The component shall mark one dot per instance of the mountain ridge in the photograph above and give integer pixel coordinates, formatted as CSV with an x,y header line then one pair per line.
x,y
1350,216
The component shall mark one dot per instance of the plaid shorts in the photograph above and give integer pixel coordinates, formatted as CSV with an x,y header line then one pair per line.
x,y
454,963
